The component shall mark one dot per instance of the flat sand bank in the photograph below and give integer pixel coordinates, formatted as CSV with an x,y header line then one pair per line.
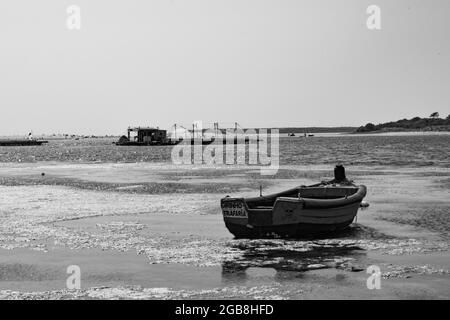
x,y
149,231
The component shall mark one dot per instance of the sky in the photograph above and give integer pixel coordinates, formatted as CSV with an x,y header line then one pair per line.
x,y
261,63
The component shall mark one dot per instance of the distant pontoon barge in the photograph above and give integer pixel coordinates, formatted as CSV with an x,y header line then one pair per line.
x,y
145,136
21,142
150,136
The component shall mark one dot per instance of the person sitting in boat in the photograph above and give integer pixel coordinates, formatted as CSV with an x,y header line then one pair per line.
x,y
30,136
339,175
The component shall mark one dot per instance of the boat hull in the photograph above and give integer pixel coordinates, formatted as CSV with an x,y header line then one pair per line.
x,y
293,231
292,217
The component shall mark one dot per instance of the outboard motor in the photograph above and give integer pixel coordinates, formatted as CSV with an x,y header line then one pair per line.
x,y
339,173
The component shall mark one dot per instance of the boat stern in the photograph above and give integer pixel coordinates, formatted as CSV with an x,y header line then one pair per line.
x,y
234,210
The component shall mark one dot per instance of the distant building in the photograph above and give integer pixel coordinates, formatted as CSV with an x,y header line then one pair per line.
x,y
144,136
148,135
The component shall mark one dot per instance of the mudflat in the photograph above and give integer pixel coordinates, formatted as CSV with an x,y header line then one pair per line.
x,y
151,231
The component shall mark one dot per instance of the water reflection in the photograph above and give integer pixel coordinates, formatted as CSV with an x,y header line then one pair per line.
x,y
291,256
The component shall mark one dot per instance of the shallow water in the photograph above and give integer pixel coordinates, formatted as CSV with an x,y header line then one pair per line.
x,y
95,195
382,150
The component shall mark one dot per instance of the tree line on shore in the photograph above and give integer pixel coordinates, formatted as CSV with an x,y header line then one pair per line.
x,y
433,122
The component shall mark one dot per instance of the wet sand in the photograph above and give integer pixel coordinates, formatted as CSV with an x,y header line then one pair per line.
x,y
148,231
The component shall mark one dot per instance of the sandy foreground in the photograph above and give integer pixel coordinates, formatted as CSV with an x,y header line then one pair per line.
x,y
149,231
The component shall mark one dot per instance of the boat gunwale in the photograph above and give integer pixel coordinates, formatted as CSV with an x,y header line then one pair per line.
x,y
307,203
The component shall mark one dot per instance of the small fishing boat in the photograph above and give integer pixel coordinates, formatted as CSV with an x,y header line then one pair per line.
x,y
301,212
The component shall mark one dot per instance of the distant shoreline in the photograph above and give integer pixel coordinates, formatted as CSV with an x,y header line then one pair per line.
x,y
282,130
393,130
432,123
297,130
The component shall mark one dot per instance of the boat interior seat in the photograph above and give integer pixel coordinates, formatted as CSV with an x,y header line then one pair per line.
x,y
263,203
332,192
326,193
